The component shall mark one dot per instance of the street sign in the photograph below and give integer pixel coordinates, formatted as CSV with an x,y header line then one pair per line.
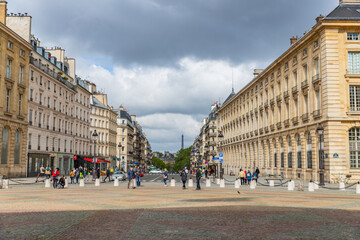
x,y
221,155
336,155
221,160
215,158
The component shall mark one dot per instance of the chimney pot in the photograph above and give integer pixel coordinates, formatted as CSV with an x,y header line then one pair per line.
x,y
293,40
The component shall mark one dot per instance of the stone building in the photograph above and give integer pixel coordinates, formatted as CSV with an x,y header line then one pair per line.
x,y
14,87
272,122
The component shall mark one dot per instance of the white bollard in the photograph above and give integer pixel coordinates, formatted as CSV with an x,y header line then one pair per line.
x,y
316,185
116,182
311,187
190,183
252,184
82,183
272,183
66,183
222,183
208,183
291,186
6,184
342,186
357,188
218,181
172,183
47,183
237,184
97,182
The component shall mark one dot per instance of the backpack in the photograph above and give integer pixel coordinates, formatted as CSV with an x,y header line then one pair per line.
x,y
141,174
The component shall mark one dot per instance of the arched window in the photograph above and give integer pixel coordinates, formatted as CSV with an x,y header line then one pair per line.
x,y
298,142
354,147
282,153
309,150
289,153
17,147
4,145
275,154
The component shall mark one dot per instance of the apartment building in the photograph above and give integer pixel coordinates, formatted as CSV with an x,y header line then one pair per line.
x,y
14,87
272,122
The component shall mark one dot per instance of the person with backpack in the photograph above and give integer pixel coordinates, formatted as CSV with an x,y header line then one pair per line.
x,y
55,176
107,175
47,172
248,176
165,176
183,176
198,177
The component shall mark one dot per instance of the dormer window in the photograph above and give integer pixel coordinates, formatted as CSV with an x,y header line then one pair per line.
x,y
353,36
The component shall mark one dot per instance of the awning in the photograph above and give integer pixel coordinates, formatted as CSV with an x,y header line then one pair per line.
x,y
98,160
102,160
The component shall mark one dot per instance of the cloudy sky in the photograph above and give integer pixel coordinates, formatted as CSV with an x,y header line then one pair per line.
x,y
167,61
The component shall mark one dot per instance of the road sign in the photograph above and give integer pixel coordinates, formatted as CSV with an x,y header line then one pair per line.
x,y
221,160
336,155
215,158
221,155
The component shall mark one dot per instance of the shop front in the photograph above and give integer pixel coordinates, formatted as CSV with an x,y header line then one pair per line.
x,y
65,163
35,161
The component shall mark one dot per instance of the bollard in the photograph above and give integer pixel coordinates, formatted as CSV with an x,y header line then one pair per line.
x,y
316,185
172,183
272,183
190,183
252,185
358,188
82,183
47,183
291,186
237,184
97,182
222,183
66,183
116,182
208,183
6,183
342,186
218,181
311,187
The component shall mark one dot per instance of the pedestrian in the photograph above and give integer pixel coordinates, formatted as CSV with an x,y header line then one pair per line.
x,y
255,176
165,177
72,175
183,176
131,177
55,176
107,175
248,176
47,172
257,171
77,175
98,173
206,173
138,176
242,176
198,177
41,173
245,176
61,182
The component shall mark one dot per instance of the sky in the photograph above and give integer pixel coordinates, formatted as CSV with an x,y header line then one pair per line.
x,y
168,61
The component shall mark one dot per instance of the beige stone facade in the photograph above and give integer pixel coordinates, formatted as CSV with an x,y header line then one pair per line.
x,y
271,123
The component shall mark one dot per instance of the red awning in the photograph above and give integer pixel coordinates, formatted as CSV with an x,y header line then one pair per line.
x,y
88,159
102,160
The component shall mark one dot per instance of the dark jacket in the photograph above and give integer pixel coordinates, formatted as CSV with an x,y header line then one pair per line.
x,y
183,176
131,174
198,174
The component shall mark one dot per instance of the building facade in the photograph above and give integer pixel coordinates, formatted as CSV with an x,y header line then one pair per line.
x,y
272,122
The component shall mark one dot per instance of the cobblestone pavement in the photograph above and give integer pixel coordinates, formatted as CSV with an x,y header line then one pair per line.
x,y
157,212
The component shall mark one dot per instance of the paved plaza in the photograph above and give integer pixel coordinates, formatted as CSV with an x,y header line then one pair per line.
x,y
156,212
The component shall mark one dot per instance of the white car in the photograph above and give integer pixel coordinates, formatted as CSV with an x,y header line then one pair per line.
x,y
156,171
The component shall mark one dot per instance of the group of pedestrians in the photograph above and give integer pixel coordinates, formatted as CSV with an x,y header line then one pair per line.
x,y
246,176
134,175
184,178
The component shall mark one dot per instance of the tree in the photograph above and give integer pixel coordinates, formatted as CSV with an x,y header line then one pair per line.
x,y
158,163
182,159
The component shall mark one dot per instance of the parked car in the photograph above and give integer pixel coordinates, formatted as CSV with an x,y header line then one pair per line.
x,y
155,171
119,175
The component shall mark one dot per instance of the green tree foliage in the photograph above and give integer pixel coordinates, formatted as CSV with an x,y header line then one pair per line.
x,y
158,163
182,159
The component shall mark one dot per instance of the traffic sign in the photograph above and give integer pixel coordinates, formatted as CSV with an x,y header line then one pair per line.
x,y
215,158
221,160
221,155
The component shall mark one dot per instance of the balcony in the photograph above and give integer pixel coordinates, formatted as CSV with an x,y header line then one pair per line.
x,y
261,130
295,120
247,135
212,143
304,84
279,125
316,79
261,107
247,115
256,132
251,112
212,126
212,134
305,117
266,129
286,94
272,101
287,123
278,98
252,133
294,90
272,127
317,113
266,104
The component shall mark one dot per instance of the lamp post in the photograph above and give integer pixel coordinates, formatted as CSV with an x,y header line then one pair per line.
x,y
95,135
221,170
320,131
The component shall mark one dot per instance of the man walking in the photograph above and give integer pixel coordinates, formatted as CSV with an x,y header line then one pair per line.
x,y
107,175
131,177
198,177
165,176
138,177
183,176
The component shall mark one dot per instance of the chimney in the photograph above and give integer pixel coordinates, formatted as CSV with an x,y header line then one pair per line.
x,y
321,17
293,40
3,11
349,1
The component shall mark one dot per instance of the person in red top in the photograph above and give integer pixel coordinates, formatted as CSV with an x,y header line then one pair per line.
x,y
245,176
55,175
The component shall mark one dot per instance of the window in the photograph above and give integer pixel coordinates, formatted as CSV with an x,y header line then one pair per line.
x,y
39,140
19,104
295,60
21,73
32,75
30,116
305,71
54,88
353,61
354,141
306,104
296,107
289,153
47,143
282,153
275,154
4,146
305,53
123,139
48,84
318,99
354,98
22,53
7,100
40,80
8,68
298,141
309,150
353,36
10,45
40,97
286,66
316,44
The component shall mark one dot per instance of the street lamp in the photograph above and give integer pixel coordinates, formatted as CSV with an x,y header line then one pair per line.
x,y
220,136
320,131
95,135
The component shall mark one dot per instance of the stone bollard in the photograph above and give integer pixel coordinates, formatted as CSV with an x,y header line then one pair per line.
x,y
237,184
208,183
272,183
311,187
316,185
291,186
116,182
97,182
190,183
222,183
172,183
218,181
252,184
358,188
5,183
342,186
82,183
47,183
66,183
